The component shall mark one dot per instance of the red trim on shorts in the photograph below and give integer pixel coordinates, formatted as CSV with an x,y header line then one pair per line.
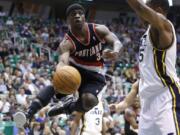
x,y
72,42
97,63
88,36
94,29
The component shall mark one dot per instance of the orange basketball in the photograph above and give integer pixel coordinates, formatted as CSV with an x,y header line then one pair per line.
x,y
66,80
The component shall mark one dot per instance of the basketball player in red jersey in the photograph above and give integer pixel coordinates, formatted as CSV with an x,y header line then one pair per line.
x,y
81,48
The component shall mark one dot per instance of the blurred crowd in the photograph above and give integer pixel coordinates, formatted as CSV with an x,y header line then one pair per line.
x,y
25,69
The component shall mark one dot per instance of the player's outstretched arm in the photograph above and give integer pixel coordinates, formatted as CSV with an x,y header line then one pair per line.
x,y
156,20
128,101
148,14
110,38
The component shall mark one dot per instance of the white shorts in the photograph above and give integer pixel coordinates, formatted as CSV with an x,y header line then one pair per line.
x,y
158,116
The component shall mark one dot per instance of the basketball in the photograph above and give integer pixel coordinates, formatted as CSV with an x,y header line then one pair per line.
x,y
66,80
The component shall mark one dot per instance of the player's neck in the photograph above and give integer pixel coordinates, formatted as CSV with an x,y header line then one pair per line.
x,y
79,31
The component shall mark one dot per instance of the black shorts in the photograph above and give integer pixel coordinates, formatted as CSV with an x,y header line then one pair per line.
x,y
91,82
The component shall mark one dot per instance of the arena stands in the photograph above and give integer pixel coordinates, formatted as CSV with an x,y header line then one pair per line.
x,y
28,55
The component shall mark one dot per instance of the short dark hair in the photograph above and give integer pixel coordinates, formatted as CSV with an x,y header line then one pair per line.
x,y
72,7
164,4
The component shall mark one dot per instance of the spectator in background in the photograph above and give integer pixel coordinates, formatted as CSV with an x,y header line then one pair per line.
x,y
21,97
3,87
1,65
10,22
32,30
6,105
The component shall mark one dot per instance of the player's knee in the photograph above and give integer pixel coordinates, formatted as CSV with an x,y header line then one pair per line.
x,y
89,101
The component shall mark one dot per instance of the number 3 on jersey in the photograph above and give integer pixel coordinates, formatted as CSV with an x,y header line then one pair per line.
x,y
97,121
98,55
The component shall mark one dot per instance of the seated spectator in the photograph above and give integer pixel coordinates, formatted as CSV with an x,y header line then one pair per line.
x,y
21,97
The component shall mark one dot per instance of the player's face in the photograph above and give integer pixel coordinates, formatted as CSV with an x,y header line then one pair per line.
x,y
76,18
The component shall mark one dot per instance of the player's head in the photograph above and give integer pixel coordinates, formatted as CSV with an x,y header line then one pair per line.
x,y
161,6
75,14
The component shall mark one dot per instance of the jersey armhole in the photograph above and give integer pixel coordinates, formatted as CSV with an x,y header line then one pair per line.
x,y
100,39
165,49
72,42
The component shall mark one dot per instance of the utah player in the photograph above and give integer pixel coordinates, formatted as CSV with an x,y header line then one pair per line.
x,y
93,119
159,85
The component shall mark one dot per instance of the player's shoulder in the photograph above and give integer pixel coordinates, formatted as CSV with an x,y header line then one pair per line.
x,y
167,24
101,29
100,26
66,42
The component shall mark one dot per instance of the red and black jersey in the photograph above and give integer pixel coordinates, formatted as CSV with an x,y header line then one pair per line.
x,y
89,55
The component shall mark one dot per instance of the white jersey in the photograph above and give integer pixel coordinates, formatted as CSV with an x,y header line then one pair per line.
x,y
158,89
157,67
91,122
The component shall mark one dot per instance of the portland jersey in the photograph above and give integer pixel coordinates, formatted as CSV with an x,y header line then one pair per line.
x,y
87,56
157,67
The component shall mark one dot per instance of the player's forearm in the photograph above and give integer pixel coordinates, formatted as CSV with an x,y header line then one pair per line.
x,y
130,97
146,13
121,106
74,129
141,10
76,122
128,101
137,5
64,59
117,46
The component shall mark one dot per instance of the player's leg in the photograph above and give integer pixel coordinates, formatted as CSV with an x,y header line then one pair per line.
x,y
165,123
87,96
147,115
147,127
85,103
42,99
168,118
77,116
88,92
